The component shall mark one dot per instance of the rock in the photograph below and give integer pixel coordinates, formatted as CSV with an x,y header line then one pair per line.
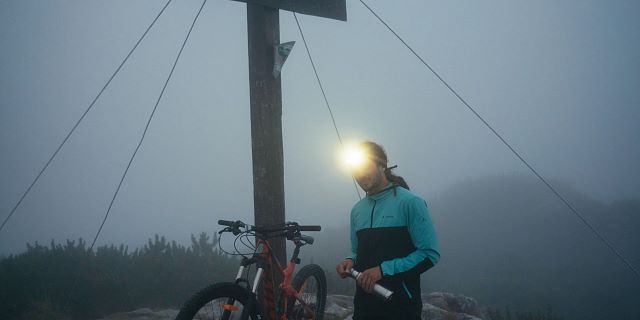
x,y
431,312
144,314
338,307
436,306
452,302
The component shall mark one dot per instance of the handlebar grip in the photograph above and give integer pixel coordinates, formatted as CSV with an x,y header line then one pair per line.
x,y
226,223
232,224
309,228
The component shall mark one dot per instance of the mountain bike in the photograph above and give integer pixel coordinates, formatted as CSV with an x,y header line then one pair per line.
x,y
300,297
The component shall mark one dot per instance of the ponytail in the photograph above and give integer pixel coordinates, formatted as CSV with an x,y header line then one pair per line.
x,y
397,180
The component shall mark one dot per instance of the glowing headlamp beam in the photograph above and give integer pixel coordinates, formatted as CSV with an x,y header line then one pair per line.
x,y
353,157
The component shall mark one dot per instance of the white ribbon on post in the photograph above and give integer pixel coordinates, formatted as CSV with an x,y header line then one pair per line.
x,y
281,52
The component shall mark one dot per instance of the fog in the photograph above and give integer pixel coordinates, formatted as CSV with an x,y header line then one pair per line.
x,y
558,80
506,243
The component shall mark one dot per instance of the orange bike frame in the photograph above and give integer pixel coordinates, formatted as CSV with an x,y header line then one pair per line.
x,y
286,289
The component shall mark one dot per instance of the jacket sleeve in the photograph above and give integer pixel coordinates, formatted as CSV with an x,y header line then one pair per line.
x,y
424,239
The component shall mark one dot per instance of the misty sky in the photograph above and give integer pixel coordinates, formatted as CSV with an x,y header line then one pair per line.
x,y
559,79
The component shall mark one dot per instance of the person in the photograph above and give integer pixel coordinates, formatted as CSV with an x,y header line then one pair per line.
x,y
392,241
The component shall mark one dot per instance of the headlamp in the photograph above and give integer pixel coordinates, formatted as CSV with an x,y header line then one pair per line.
x,y
353,157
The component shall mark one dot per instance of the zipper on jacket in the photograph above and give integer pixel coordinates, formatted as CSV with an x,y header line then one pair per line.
x,y
407,291
372,209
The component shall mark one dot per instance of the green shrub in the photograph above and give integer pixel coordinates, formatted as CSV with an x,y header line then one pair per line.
x,y
70,281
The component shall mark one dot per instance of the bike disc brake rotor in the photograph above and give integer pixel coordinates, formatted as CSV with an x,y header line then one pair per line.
x,y
308,294
221,308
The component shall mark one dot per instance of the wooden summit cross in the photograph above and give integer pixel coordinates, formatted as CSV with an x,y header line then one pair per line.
x,y
263,27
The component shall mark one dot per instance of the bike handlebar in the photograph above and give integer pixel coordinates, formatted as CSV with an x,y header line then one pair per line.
x,y
233,224
289,226
309,228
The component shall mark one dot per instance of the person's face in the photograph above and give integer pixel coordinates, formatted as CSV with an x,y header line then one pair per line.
x,y
370,176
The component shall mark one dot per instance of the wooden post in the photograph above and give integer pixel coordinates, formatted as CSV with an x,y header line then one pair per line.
x,y
263,25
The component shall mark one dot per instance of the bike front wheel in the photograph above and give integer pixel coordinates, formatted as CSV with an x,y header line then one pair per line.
x,y
311,284
220,301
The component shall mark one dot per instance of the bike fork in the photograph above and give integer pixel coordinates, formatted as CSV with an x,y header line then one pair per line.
x,y
256,280
245,311
247,308
240,271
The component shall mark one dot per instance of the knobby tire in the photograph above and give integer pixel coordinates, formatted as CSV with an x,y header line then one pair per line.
x,y
311,271
222,291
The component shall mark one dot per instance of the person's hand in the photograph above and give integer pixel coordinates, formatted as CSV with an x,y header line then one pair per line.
x,y
368,278
343,268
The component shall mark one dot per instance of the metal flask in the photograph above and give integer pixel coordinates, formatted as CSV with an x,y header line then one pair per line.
x,y
379,290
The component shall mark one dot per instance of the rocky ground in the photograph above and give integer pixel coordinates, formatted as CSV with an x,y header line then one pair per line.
x,y
437,306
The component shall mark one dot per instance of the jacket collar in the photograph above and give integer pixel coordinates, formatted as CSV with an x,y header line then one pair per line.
x,y
383,193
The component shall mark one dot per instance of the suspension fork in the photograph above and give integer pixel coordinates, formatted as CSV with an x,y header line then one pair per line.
x,y
261,266
266,263
239,279
262,259
243,265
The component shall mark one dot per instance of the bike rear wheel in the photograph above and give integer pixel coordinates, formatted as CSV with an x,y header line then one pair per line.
x,y
311,284
220,301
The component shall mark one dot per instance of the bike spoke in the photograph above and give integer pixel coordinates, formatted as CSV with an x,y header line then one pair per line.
x,y
308,295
